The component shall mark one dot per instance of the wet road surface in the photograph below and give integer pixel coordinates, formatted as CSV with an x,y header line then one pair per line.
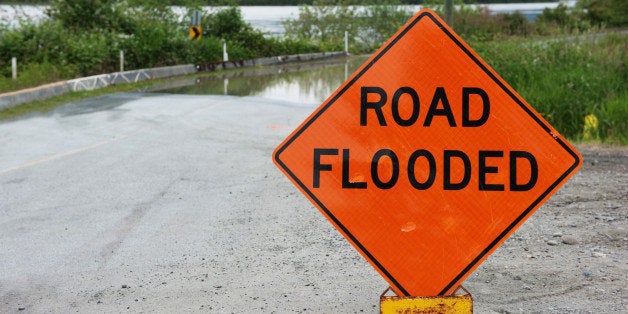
x,y
167,202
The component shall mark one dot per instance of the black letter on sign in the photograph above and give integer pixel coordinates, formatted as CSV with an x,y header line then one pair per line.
x,y
534,171
395,169
318,167
439,96
346,184
377,105
411,164
415,106
447,185
486,106
484,169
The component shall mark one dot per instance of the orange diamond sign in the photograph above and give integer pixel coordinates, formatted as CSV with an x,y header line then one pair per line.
x,y
425,159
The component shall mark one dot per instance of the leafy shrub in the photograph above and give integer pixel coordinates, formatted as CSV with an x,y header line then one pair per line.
x,y
322,22
325,24
226,23
91,14
293,46
90,53
207,50
378,22
562,19
612,13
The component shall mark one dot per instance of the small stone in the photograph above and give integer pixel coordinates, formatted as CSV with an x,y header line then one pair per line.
x,y
552,242
21,308
125,286
517,277
587,273
569,240
526,287
598,254
557,234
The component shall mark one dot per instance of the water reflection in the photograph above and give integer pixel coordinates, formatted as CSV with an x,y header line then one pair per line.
x,y
310,82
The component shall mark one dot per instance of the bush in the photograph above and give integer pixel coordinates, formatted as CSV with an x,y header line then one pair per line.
x,y
90,53
32,74
325,24
322,22
378,22
226,23
612,13
153,44
204,51
33,42
91,14
562,19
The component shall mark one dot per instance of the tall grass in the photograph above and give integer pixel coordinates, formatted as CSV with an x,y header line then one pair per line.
x,y
568,78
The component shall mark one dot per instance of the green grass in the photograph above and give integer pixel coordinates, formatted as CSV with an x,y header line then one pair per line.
x,y
34,74
566,79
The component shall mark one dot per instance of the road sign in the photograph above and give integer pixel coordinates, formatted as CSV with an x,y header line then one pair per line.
x,y
196,32
425,159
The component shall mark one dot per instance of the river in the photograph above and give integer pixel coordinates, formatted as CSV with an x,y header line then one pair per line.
x,y
269,19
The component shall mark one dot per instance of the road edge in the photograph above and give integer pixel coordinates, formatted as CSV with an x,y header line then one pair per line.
x,y
16,98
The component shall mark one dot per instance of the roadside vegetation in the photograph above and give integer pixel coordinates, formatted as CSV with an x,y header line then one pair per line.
x,y
84,37
570,64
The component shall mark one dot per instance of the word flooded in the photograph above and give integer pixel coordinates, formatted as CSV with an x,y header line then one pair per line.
x,y
494,169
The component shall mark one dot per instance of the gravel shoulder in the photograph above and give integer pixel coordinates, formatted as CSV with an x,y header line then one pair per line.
x,y
571,255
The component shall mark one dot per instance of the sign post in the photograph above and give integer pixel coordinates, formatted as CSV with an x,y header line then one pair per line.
x,y
196,31
14,68
425,159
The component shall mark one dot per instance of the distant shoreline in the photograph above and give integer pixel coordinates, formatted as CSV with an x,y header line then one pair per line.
x,y
269,19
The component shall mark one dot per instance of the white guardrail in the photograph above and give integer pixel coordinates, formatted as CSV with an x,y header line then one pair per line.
x,y
12,99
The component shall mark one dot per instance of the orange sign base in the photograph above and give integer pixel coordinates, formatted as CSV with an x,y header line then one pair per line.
x,y
459,302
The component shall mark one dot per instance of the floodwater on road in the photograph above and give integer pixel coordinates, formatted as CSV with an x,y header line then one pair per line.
x,y
308,83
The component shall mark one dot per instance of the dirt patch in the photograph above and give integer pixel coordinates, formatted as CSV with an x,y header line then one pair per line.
x,y
570,256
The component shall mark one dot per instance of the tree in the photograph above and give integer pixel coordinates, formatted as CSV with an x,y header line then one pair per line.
x,y
608,12
90,14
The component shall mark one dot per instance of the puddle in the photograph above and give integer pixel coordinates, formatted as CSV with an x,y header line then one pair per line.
x,y
310,82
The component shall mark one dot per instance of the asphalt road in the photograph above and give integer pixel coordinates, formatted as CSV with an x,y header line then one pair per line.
x,y
158,202
171,203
